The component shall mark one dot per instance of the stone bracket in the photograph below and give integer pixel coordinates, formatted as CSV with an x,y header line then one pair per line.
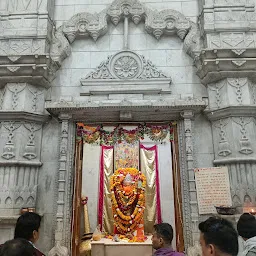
x,y
214,65
33,69
23,116
231,111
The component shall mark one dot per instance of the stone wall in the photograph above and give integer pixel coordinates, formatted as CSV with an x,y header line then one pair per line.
x,y
205,48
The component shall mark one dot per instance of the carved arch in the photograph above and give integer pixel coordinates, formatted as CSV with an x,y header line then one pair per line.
x,y
168,22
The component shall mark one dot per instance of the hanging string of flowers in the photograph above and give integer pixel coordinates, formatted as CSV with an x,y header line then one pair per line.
x,y
133,201
104,137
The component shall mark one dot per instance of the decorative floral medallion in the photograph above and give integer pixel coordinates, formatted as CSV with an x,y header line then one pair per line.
x,y
126,67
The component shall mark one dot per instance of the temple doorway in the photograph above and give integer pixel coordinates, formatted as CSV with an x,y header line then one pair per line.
x,y
152,149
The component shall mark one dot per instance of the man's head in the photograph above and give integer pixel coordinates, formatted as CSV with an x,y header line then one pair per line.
x,y
162,236
246,226
17,247
218,237
27,226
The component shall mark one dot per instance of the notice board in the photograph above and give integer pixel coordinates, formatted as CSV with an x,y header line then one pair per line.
x,y
212,188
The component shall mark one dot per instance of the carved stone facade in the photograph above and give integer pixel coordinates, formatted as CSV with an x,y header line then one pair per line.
x,y
115,61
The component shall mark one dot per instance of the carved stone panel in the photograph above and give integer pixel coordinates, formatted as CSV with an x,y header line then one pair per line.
x,y
234,40
239,15
217,95
21,18
20,142
18,189
242,183
230,91
22,97
168,22
233,139
245,141
126,73
19,47
238,91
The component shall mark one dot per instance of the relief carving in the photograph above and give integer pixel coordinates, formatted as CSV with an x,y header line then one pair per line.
x,y
167,22
253,92
238,83
224,147
238,63
245,144
236,40
126,65
217,88
2,93
30,149
58,249
23,192
15,88
19,47
35,92
21,5
9,148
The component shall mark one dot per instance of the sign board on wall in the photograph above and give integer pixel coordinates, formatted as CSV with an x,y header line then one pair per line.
x,y
213,188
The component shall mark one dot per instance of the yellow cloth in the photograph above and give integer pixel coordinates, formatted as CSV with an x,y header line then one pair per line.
x,y
147,165
147,161
108,221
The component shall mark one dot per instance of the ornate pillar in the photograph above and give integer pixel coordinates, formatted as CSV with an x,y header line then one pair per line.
x,y
226,67
22,117
25,36
63,208
232,111
189,191
26,71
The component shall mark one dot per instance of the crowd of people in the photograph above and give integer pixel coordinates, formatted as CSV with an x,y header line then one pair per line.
x,y
218,237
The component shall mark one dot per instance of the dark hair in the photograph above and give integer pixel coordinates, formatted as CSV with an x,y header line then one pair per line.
x,y
165,231
246,226
221,233
17,247
26,224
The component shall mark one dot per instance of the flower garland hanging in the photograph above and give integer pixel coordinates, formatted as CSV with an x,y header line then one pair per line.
x,y
118,134
131,201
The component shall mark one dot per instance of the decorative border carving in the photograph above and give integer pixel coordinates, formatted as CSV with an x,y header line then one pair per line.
x,y
167,22
238,83
30,148
187,215
69,195
125,65
15,88
217,88
244,140
224,147
9,148
61,185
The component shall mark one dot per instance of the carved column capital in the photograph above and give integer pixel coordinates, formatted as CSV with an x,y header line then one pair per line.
x,y
65,116
187,114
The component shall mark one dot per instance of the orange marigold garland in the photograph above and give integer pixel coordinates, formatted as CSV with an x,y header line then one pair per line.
x,y
124,201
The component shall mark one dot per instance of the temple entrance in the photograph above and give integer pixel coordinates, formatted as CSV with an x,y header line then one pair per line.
x,y
152,149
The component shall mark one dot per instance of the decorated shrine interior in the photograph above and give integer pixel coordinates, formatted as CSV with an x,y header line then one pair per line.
x,y
145,155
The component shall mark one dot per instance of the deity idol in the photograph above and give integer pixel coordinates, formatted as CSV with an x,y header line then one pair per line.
x,y
128,202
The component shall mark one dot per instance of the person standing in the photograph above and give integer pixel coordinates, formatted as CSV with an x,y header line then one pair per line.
x,y
162,240
28,227
17,247
246,227
218,237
